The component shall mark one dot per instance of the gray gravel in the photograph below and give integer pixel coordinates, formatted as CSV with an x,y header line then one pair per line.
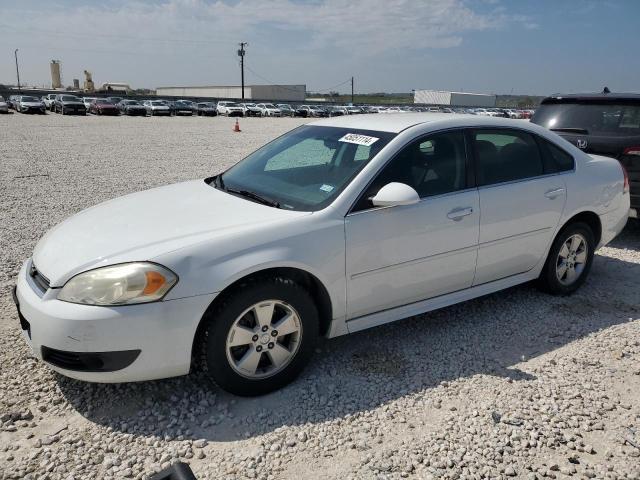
x,y
513,385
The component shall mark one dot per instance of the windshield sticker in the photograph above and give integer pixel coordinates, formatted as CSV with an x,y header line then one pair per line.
x,y
359,139
326,188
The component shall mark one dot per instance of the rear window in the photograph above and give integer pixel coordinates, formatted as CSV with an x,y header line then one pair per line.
x,y
594,118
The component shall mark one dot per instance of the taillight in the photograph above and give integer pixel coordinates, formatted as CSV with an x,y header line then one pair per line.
x,y
632,151
625,186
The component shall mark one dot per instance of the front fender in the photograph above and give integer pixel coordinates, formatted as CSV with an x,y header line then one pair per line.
x,y
211,267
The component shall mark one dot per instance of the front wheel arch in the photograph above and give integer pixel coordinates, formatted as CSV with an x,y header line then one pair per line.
x,y
310,282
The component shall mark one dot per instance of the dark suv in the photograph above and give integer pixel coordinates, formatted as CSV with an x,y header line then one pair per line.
x,y
601,123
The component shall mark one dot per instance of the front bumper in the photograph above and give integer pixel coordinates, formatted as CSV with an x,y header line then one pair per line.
x,y
31,109
109,344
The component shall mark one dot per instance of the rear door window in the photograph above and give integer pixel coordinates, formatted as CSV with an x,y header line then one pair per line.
x,y
505,156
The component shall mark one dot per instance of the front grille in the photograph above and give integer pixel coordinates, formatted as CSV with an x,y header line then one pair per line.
x,y
40,280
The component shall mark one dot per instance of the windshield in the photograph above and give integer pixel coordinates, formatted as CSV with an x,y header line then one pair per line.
x,y
269,105
159,102
594,118
69,98
29,99
102,101
306,168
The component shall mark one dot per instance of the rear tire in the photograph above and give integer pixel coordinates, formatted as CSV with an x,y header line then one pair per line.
x,y
244,353
569,260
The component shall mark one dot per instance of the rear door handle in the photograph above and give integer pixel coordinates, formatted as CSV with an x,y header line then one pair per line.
x,y
551,194
458,213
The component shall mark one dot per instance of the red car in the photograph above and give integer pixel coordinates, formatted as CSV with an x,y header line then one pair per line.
x,y
102,106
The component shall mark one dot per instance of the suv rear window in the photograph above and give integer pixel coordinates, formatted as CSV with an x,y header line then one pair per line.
x,y
592,117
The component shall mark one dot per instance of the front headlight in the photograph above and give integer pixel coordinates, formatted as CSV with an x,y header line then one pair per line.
x,y
124,284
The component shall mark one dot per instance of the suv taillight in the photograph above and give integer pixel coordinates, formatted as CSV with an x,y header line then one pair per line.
x,y
632,151
625,186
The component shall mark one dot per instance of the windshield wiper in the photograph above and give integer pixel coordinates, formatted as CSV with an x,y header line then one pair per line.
x,y
583,131
254,196
218,182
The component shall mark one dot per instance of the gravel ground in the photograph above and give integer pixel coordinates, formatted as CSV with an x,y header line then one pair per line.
x,y
516,384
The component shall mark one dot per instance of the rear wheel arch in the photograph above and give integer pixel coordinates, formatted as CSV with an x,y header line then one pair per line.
x,y
308,281
589,218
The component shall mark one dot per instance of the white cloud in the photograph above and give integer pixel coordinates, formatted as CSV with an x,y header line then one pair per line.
x,y
183,32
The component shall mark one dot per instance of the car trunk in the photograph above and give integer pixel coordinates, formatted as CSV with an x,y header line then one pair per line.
x,y
603,125
617,147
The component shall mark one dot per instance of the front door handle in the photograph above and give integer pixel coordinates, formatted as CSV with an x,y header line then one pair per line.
x,y
458,213
551,194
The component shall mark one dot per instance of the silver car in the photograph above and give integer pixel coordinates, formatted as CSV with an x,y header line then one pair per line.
x,y
4,108
157,107
29,104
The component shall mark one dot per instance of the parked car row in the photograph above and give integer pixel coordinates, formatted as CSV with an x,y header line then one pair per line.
x,y
68,103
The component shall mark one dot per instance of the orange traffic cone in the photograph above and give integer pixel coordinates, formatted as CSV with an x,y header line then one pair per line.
x,y
236,128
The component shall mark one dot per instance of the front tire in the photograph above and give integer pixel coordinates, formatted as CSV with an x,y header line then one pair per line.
x,y
569,261
260,337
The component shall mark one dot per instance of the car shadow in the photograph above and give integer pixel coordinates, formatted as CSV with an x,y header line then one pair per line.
x,y
488,336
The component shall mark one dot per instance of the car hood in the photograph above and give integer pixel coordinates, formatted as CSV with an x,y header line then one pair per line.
x,y
144,225
31,104
67,102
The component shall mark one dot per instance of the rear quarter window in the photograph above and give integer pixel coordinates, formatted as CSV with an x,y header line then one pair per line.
x,y
555,157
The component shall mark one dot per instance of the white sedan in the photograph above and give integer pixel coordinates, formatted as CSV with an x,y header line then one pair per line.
x,y
337,226
269,110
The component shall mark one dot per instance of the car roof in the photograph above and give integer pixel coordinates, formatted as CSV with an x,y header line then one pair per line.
x,y
395,123
595,97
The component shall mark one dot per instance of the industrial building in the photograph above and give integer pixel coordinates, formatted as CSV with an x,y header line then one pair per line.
x,y
288,93
454,99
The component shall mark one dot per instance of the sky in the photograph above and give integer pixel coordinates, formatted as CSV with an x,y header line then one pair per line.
x,y
535,47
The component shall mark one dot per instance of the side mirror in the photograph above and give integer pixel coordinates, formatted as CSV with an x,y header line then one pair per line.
x,y
395,193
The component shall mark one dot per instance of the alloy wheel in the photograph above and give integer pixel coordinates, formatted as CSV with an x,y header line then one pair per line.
x,y
263,339
572,259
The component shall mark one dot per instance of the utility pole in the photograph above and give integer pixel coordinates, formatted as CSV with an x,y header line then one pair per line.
x,y
241,54
351,90
17,70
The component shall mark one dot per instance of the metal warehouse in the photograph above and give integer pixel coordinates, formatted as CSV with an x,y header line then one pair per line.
x,y
456,99
290,93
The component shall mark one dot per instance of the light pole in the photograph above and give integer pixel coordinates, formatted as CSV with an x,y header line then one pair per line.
x,y
17,69
351,90
241,53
